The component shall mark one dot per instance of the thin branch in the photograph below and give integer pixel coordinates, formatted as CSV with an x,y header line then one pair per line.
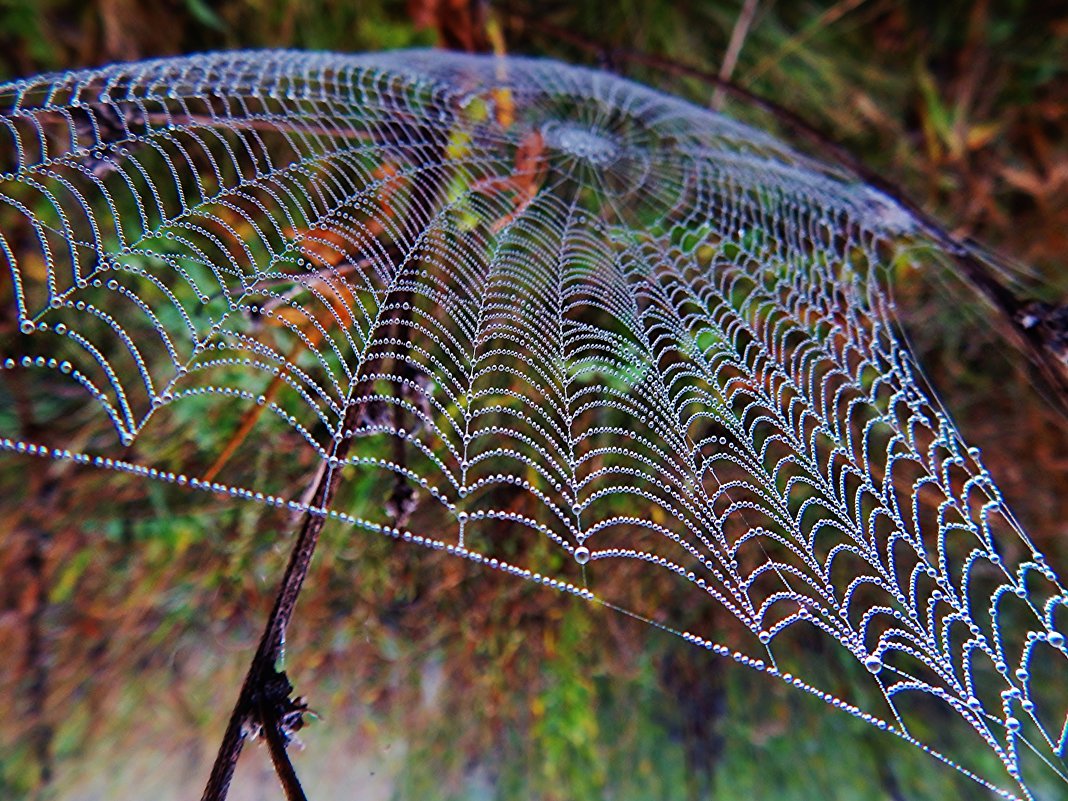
x,y
264,703
612,55
275,710
825,19
734,49
29,597
276,744
36,662
247,711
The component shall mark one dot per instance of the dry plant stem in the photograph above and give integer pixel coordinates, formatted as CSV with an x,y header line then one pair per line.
x,y
252,701
276,744
252,416
37,658
798,40
258,701
26,595
981,276
734,49
401,332
35,665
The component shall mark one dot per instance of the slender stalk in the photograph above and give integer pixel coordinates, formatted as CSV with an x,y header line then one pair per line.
x,y
35,663
276,743
258,704
734,49
276,738
30,597
264,702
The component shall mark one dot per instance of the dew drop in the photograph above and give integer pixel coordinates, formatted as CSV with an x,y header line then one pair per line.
x,y
582,554
873,663
27,327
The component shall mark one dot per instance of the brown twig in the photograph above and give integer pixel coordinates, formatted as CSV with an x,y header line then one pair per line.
x,y
30,597
734,49
401,493
42,731
611,56
264,703
275,706
255,696
822,21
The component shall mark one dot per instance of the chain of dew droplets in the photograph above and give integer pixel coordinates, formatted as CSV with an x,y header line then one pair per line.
x,y
667,331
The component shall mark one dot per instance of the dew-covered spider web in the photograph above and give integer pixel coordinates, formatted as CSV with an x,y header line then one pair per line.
x,y
577,330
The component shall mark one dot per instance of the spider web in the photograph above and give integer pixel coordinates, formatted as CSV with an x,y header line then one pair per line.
x,y
579,331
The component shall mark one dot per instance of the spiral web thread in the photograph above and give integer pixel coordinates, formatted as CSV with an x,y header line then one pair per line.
x,y
561,309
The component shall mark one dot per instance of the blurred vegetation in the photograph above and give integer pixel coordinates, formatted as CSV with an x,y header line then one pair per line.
x,y
150,599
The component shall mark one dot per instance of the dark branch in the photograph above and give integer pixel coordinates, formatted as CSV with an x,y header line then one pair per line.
x,y
248,714
282,715
264,704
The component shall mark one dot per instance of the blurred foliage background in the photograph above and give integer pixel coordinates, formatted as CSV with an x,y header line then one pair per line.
x,y
127,612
